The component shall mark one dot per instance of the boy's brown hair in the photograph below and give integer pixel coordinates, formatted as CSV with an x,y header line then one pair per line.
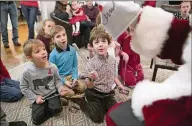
x,y
99,32
41,30
186,1
56,29
30,45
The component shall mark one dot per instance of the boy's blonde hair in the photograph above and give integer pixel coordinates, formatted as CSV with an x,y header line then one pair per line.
x,y
99,32
41,30
30,45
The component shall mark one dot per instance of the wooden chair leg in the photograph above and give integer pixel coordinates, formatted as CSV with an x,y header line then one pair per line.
x,y
154,73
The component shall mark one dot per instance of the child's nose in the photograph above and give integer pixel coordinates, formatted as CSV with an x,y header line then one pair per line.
x,y
63,37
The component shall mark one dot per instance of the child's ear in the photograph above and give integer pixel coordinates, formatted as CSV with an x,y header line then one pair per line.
x,y
29,57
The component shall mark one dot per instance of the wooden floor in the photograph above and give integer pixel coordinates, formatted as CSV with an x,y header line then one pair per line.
x,y
14,56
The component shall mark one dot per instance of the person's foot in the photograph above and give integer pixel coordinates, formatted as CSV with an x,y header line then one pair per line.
x,y
6,45
17,44
64,101
17,123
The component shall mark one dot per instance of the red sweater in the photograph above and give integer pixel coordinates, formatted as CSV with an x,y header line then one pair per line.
x,y
3,71
29,3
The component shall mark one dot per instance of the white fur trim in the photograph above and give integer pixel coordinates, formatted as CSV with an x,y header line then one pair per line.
x,y
176,86
151,31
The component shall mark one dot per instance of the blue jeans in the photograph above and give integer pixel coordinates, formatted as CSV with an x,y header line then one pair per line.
x,y
30,14
10,90
10,9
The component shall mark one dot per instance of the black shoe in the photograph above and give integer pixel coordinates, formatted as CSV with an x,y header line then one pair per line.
x,y
17,123
6,45
17,44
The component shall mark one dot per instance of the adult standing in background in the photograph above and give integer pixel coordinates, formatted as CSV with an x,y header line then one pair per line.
x,y
9,7
30,10
91,12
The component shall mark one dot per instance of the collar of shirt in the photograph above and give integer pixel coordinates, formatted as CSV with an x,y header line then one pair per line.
x,y
180,16
102,57
59,50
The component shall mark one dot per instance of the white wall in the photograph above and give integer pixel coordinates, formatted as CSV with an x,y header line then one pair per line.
x,y
46,7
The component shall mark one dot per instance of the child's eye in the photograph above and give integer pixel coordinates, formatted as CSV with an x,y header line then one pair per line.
x,y
57,36
64,34
103,40
37,51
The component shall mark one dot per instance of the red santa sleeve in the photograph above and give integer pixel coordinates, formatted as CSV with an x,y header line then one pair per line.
x,y
150,3
169,113
3,71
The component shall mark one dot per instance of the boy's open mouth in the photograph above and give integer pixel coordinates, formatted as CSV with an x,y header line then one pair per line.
x,y
64,42
44,57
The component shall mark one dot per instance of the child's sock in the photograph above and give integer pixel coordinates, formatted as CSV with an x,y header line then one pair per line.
x,y
73,28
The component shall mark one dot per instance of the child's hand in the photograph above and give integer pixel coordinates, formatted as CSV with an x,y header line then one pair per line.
x,y
68,8
90,48
68,84
40,100
88,83
125,57
93,75
62,91
121,87
74,83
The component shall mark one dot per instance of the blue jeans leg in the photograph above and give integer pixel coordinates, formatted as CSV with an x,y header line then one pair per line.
x,y
4,20
14,21
30,15
10,90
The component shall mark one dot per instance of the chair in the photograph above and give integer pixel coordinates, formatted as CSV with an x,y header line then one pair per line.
x,y
162,64
159,63
71,39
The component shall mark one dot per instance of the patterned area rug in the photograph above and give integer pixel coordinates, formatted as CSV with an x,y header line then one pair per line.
x,y
21,110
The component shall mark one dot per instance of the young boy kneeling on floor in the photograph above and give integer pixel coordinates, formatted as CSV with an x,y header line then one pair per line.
x,y
100,75
40,82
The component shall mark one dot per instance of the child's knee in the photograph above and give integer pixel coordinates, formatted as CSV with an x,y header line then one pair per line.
x,y
38,118
69,93
16,95
94,112
96,118
55,110
80,87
